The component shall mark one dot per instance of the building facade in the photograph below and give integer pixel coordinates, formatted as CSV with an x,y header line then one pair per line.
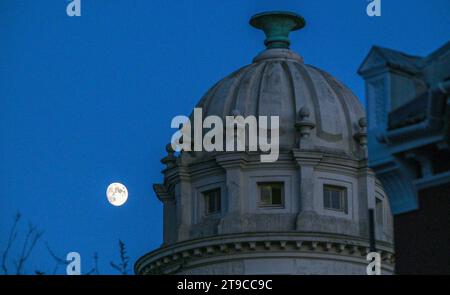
x,y
306,213
408,108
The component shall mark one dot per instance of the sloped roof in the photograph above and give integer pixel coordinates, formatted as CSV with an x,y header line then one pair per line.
x,y
384,57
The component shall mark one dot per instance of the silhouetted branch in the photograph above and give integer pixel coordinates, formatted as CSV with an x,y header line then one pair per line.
x,y
31,238
94,270
63,262
122,267
58,260
12,237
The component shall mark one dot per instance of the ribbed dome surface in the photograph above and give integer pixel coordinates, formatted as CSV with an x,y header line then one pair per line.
x,y
227,211
278,83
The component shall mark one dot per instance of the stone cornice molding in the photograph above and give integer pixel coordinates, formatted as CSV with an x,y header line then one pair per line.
x,y
232,160
182,173
290,243
311,157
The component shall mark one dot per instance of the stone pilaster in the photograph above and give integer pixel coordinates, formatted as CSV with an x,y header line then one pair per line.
x,y
184,203
306,162
366,199
168,201
235,197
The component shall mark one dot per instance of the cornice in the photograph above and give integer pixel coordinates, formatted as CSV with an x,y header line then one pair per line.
x,y
173,257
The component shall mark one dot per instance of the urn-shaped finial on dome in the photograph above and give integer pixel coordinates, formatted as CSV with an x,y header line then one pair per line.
x,y
277,25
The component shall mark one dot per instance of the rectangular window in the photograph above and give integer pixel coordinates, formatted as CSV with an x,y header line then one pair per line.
x,y
335,198
212,201
271,194
379,211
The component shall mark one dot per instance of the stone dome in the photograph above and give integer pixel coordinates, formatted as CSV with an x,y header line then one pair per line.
x,y
279,83
227,212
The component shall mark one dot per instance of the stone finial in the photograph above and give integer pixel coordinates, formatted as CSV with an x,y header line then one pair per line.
x,y
362,122
169,160
304,125
277,25
361,135
304,112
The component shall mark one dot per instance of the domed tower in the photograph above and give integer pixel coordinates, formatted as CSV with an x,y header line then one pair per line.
x,y
307,212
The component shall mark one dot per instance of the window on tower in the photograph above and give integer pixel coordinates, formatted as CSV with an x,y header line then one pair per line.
x,y
271,194
335,198
212,201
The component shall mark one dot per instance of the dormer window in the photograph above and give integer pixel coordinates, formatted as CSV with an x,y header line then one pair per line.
x,y
335,198
212,201
271,194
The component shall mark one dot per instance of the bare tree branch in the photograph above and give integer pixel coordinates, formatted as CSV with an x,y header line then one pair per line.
x,y
97,272
12,237
62,262
121,267
31,238
58,260
94,270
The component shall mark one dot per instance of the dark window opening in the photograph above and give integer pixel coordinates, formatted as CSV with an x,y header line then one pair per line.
x,y
335,198
212,201
271,194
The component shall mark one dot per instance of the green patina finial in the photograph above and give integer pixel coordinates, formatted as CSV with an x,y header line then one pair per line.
x,y
277,25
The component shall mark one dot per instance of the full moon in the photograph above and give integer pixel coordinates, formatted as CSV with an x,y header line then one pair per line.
x,y
117,194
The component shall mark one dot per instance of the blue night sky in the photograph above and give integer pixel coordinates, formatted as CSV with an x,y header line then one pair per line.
x,y
86,101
